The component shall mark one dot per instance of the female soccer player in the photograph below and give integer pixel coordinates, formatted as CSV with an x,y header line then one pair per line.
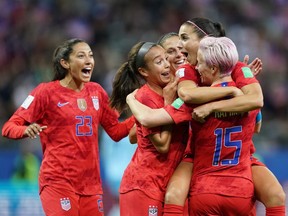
x,y
66,114
160,149
191,32
267,188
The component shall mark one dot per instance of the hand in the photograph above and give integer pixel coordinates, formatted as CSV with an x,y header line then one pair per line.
x,y
170,90
200,113
133,134
34,129
131,96
255,65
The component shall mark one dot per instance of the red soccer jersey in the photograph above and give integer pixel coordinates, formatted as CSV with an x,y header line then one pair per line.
x,y
221,149
149,170
70,142
241,74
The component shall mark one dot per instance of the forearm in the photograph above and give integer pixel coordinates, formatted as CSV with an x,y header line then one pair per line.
x,y
121,129
14,128
251,100
162,141
200,95
146,116
242,103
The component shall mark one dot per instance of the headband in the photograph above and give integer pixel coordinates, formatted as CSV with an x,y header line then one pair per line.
x,y
142,52
197,27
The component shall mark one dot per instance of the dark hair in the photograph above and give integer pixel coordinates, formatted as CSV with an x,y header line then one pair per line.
x,y
128,78
205,27
63,51
164,37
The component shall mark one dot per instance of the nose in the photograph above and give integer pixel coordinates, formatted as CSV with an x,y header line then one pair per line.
x,y
89,59
180,44
167,63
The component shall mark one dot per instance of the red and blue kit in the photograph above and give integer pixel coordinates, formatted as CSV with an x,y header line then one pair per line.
x,y
241,74
70,142
149,171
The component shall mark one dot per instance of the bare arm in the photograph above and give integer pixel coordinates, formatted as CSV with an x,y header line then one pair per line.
x,y
133,135
145,115
190,93
252,99
162,140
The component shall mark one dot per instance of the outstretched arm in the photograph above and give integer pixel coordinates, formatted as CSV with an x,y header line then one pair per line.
x,y
17,128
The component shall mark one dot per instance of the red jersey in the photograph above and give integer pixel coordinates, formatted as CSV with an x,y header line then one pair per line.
x,y
70,142
241,74
149,170
221,148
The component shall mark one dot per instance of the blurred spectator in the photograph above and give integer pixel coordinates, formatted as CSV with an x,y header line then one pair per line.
x,y
29,30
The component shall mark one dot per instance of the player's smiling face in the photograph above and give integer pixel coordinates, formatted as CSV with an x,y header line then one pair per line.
x,y
81,62
190,42
203,69
158,67
173,49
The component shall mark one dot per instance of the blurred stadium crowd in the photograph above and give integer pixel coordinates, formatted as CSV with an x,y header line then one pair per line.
x,y
31,29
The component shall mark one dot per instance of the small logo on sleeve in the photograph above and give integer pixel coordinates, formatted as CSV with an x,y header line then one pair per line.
x,y
177,103
27,102
180,72
247,72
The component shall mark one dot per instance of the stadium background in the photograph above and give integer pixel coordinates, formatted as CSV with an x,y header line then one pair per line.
x,y
31,29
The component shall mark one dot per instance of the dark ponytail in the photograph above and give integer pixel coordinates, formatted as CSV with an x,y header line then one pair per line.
x,y
128,78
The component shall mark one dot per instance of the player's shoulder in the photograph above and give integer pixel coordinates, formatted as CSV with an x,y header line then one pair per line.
x,y
46,86
186,66
143,92
93,85
239,65
243,69
185,69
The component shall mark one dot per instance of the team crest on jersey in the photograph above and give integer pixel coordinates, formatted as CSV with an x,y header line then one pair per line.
x,y
180,72
153,211
82,105
95,101
65,204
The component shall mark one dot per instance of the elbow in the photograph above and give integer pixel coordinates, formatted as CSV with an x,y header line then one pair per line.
x,y
259,103
116,138
144,121
183,95
163,149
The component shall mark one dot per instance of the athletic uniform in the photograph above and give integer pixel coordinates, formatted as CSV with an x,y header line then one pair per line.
x,y
222,178
70,142
241,75
144,182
